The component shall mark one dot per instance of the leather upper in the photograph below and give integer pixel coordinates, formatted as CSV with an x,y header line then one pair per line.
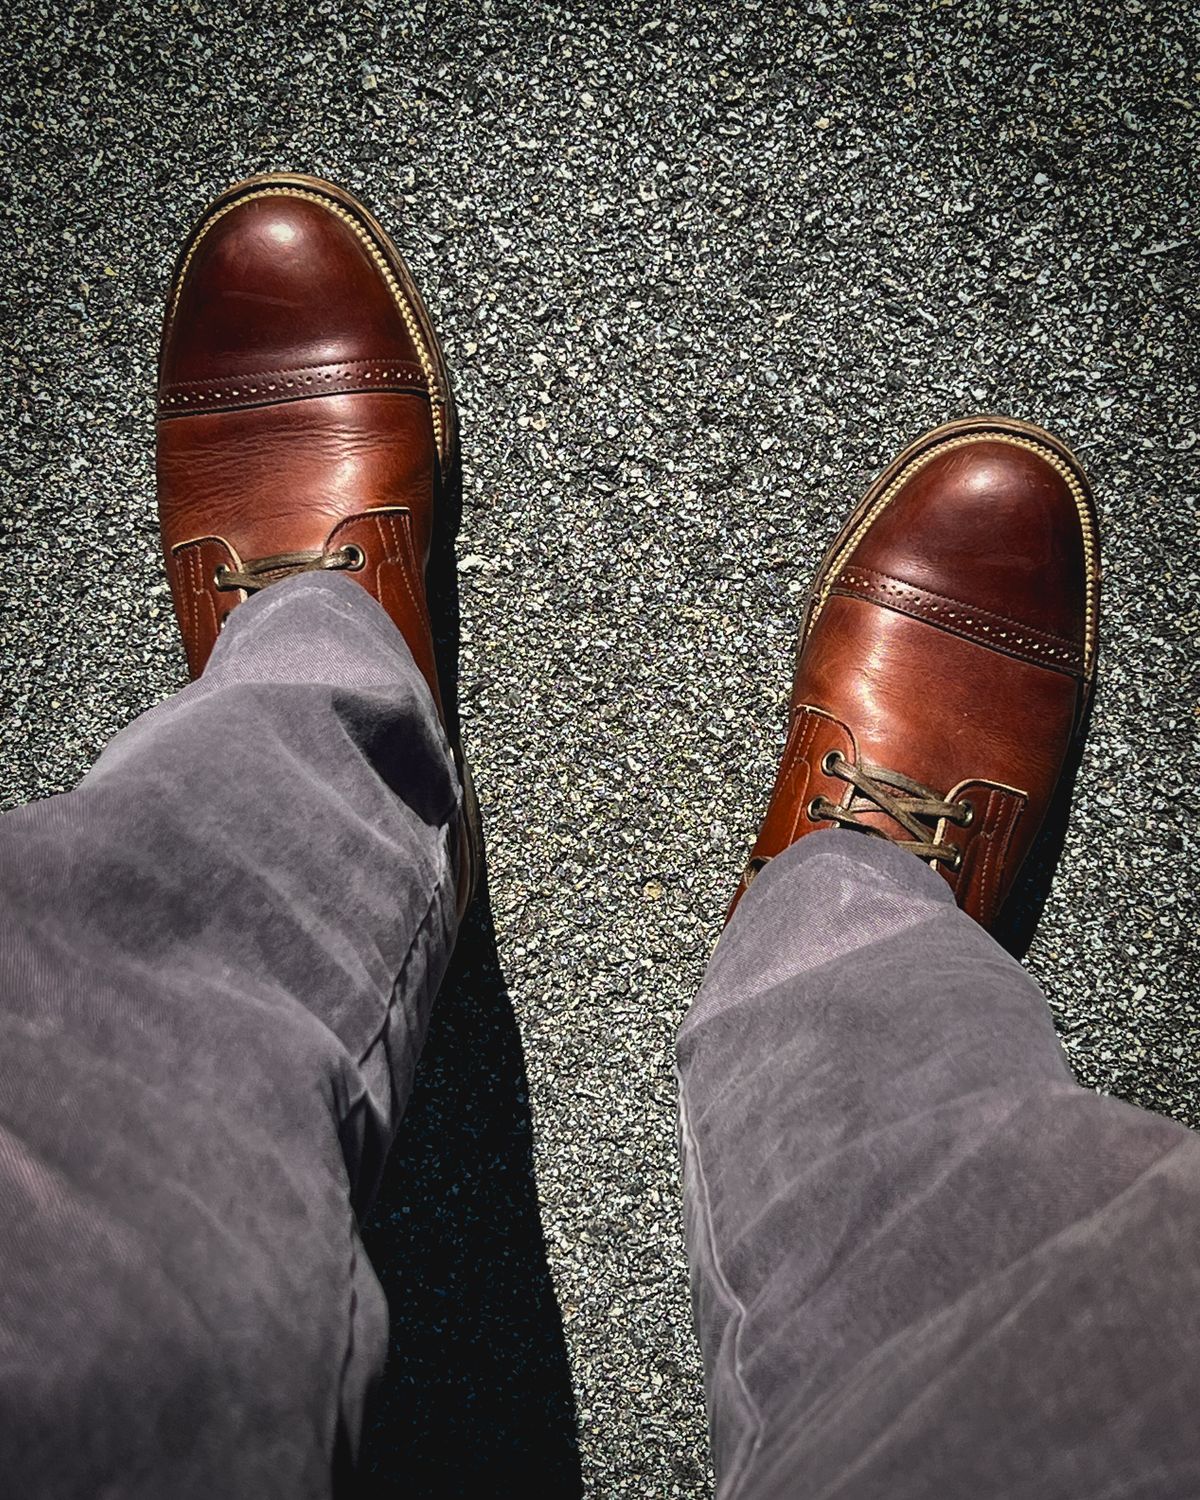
x,y
951,637
295,410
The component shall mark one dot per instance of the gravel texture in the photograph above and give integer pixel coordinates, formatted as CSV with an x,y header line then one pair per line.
x,y
700,271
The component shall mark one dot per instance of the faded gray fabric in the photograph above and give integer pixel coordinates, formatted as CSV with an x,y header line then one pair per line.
x,y
925,1262
217,957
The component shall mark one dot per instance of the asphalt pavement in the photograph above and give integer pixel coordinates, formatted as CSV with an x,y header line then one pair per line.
x,y
700,270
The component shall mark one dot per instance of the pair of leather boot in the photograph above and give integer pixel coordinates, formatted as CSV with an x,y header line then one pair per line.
x,y
948,650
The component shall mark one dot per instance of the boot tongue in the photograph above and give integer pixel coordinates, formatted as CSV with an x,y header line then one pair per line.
x,y
886,824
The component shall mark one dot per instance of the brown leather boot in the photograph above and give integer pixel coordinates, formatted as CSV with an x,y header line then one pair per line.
x,y
305,419
946,659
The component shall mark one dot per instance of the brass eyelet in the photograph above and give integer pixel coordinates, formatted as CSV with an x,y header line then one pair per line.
x,y
220,575
355,557
968,814
812,811
956,862
829,760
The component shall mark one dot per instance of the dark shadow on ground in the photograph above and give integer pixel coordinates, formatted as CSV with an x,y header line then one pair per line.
x,y
1017,922
476,1398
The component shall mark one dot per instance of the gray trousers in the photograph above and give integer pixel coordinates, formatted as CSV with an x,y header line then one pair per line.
x,y
924,1261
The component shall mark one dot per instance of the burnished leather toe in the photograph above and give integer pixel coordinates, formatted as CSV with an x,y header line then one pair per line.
x,y
946,658
278,296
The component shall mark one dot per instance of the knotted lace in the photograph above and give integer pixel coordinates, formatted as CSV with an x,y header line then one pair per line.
x,y
262,571
912,805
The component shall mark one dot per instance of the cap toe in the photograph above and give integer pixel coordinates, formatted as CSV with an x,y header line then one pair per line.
x,y
280,280
995,522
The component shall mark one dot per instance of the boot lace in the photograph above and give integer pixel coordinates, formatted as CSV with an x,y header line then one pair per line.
x,y
260,572
912,805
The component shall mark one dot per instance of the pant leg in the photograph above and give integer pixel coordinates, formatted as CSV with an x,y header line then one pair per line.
x,y
925,1262
217,958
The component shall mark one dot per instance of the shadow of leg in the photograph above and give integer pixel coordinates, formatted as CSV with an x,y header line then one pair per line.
x,y
476,1398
